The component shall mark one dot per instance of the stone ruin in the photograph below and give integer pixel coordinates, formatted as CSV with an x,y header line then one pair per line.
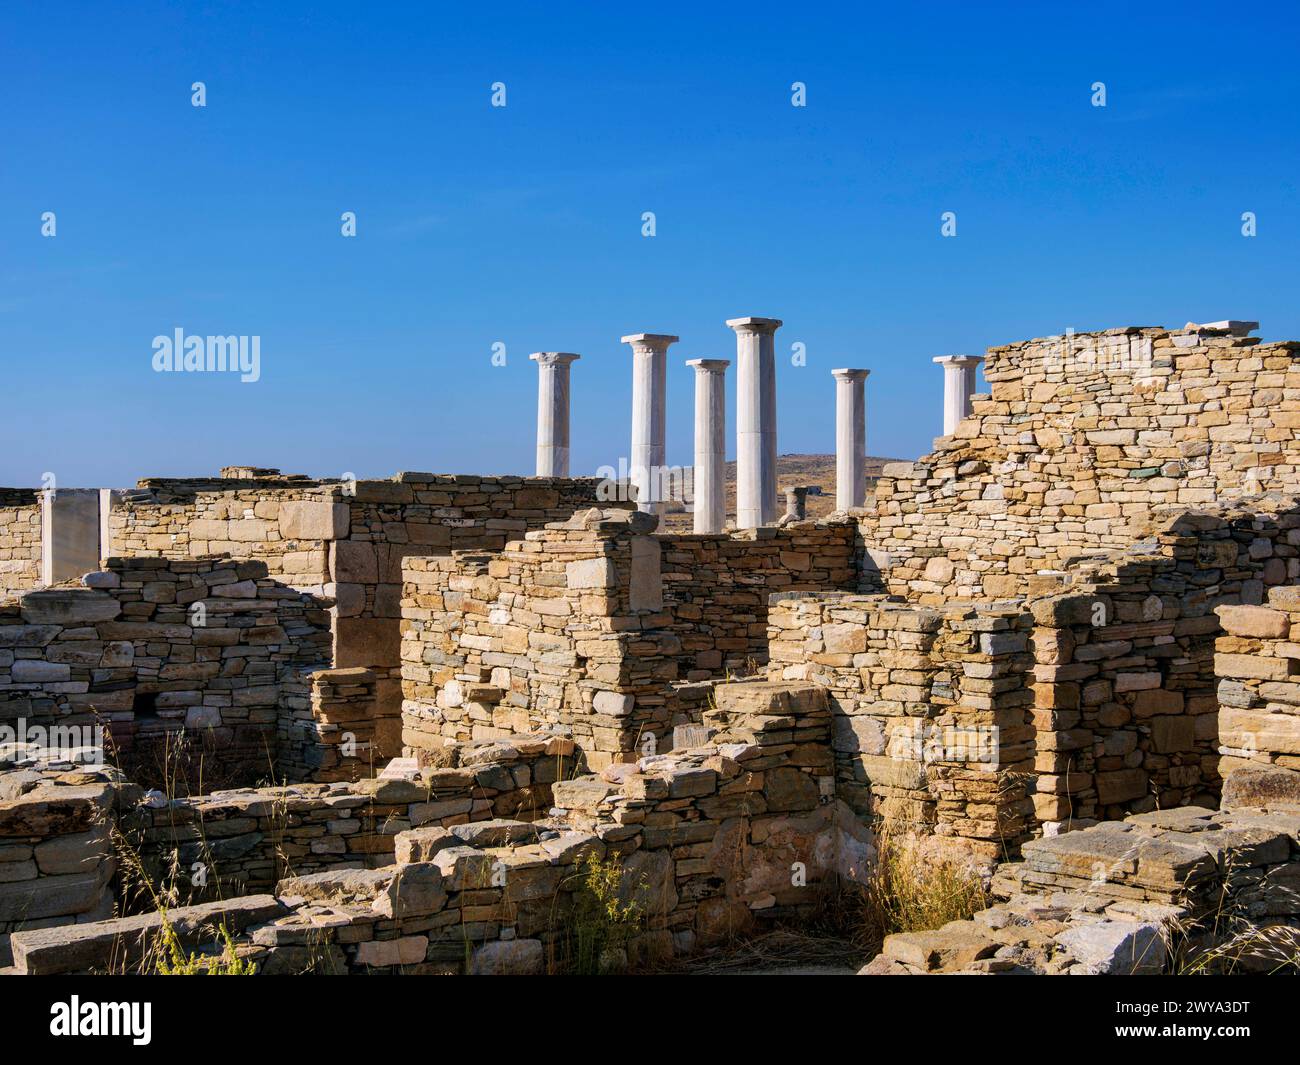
x,y
386,724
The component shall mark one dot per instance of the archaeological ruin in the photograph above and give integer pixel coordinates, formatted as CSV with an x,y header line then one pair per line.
x,y
414,725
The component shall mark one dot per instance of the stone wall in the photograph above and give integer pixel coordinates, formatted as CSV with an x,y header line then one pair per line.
x,y
707,844
242,841
151,648
931,709
20,540
343,539
285,523
1078,444
1257,661
56,855
716,588
1127,707
595,626
334,728
1189,891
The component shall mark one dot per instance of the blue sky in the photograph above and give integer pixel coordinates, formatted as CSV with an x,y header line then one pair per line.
x,y
522,225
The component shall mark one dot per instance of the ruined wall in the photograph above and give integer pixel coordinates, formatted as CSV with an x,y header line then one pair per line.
x,y
263,519
20,540
1127,709
702,842
592,625
716,588
1080,441
56,858
343,539
1257,660
333,727
563,627
152,647
931,709
245,840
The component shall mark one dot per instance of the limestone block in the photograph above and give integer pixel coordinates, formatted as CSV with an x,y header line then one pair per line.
x,y
314,520
511,957
353,562
383,953
591,573
1254,621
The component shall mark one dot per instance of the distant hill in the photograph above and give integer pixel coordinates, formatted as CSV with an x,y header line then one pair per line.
x,y
818,470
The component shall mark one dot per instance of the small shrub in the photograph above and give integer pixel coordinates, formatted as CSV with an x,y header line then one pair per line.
x,y
173,960
604,915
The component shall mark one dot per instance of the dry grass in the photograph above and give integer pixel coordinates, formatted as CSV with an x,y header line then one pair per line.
x,y
911,891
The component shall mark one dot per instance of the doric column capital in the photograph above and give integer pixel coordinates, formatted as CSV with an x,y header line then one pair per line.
x,y
649,343
758,326
709,365
958,360
553,358
851,375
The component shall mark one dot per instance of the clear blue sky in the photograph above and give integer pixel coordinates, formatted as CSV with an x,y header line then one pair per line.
x,y
523,224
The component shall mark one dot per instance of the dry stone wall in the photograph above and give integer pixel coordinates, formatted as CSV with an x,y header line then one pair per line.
x,y
20,540
931,709
1080,442
151,647
706,844
716,588
56,855
343,539
1127,696
245,840
595,626
1257,660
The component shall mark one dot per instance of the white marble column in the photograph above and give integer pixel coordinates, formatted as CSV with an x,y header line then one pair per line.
x,y
755,420
553,411
850,438
958,387
649,415
710,444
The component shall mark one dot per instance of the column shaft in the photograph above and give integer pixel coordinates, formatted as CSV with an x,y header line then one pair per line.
x,y
755,420
649,416
710,444
553,412
850,438
958,387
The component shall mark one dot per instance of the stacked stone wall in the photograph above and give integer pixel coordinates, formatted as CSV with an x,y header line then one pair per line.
x,y
56,855
154,649
20,540
1080,443
931,710
1257,661
1127,694
704,845
716,588
597,627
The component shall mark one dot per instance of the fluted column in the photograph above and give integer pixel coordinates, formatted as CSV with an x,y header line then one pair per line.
x,y
850,438
553,411
649,416
710,444
755,420
958,387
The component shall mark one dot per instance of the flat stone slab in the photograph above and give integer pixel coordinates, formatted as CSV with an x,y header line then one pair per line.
x,y
125,941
